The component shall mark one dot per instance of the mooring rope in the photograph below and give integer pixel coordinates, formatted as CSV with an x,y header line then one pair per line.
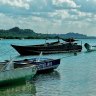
x,y
7,64
5,52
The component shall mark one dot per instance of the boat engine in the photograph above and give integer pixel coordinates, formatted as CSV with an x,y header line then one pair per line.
x,y
87,46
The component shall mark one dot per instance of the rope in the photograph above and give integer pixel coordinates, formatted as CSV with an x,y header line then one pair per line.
x,y
7,65
5,52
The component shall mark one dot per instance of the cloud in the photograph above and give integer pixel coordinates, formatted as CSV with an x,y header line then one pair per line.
x,y
55,15
86,5
16,3
64,4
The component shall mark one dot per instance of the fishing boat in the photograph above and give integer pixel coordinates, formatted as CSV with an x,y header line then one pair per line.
x,y
89,48
9,74
43,64
68,45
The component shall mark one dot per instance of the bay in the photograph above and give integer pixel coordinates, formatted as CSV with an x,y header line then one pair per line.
x,y
76,75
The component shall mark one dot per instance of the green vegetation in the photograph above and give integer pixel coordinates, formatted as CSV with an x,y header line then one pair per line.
x,y
17,33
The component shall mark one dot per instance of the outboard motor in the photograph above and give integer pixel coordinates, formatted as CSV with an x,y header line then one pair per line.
x,y
87,46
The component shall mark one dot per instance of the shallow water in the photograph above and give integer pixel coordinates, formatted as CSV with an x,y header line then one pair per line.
x,y
76,75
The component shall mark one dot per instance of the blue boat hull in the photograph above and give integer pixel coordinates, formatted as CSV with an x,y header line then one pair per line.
x,y
47,66
42,66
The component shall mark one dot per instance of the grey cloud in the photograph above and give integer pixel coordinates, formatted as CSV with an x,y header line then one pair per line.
x,y
86,5
47,10
16,3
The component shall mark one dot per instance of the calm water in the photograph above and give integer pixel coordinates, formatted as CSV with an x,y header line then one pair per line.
x,y
76,75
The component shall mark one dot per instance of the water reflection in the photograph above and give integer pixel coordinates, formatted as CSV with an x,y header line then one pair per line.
x,y
47,76
46,83
27,89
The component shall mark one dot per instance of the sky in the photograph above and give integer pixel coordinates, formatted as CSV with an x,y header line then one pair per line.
x,y
50,16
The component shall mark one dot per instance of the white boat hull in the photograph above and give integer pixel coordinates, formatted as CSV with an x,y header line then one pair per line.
x,y
15,74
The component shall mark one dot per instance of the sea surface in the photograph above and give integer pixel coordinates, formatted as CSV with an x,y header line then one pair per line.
x,y
76,75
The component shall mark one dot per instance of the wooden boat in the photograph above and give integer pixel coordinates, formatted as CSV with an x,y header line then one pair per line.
x,y
43,64
10,74
48,48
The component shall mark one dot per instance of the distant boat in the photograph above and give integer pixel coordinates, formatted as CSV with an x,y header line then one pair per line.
x,y
43,64
10,74
49,48
89,48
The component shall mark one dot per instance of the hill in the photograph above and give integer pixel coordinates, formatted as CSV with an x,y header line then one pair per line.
x,y
17,33
73,35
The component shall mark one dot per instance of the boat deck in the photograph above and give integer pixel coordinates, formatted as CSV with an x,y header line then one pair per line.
x,y
22,65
